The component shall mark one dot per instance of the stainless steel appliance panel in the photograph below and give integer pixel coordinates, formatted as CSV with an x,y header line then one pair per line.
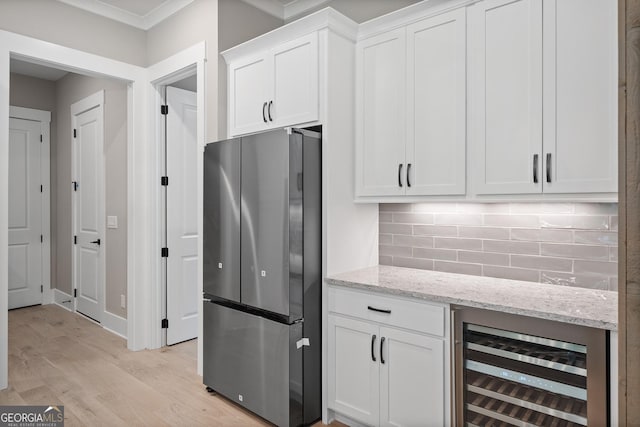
x,y
221,234
265,222
254,362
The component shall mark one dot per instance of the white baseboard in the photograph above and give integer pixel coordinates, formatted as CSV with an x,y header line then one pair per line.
x,y
115,324
63,299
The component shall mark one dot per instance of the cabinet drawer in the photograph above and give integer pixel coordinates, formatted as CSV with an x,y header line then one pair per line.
x,y
418,316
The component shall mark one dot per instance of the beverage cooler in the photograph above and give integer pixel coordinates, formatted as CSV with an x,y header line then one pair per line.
x,y
519,371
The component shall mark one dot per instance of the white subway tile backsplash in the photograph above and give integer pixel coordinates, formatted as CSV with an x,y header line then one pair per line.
x,y
608,238
511,220
484,232
458,267
458,219
542,235
575,222
457,243
420,263
435,230
542,263
413,218
387,228
598,253
435,254
511,247
413,241
568,244
405,251
486,258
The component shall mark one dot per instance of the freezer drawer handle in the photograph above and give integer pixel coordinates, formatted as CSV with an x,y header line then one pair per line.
x,y
373,345
381,349
379,310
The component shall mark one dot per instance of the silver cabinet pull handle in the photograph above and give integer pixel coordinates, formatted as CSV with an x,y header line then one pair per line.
x,y
269,111
408,175
548,167
381,350
400,175
264,117
373,344
535,168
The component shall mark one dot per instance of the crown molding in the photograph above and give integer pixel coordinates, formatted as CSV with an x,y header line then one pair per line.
x,y
154,17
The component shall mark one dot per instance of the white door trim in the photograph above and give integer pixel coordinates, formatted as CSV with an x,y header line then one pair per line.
x,y
44,117
95,100
140,171
188,62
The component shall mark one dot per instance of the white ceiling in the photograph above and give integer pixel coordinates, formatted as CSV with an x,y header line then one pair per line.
x,y
285,9
35,70
142,14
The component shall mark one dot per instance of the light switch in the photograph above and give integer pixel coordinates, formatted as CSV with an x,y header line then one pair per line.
x,y
112,221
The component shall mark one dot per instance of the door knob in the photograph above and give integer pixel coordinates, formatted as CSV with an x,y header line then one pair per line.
x,y
97,242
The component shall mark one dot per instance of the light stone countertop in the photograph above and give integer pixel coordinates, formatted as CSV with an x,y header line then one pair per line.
x,y
579,306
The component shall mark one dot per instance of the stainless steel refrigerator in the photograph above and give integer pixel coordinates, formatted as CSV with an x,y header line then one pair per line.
x,y
262,273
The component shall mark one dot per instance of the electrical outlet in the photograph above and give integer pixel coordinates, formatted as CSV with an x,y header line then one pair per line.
x,y
123,302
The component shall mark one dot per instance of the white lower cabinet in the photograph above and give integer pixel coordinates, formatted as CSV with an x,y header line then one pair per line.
x,y
387,376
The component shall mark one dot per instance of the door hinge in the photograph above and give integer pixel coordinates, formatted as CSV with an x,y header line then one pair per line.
x,y
164,110
164,253
40,138
41,289
41,238
164,181
41,188
165,324
75,240
75,293
75,133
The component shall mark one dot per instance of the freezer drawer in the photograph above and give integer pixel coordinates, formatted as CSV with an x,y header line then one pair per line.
x,y
254,362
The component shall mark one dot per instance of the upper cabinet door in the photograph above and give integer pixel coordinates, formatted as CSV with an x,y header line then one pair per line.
x,y
295,82
580,98
506,83
436,105
380,115
248,95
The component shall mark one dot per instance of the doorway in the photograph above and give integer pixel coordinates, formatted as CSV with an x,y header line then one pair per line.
x,y
180,187
29,196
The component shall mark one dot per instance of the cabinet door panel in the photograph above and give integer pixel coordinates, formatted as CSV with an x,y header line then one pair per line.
x,y
353,389
436,107
295,82
380,115
412,387
506,57
580,126
247,96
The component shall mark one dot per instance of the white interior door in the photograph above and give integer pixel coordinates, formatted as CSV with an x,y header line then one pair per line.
x,y
25,214
182,219
88,160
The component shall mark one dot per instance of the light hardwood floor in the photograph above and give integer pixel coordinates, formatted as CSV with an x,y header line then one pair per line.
x,y
57,357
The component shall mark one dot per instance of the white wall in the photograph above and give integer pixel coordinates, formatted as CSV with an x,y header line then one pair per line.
x,y
191,25
361,10
69,26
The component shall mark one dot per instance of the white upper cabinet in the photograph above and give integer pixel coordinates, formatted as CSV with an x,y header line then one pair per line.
x,y
380,114
506,88
580,96
436,105
544,90
410,109
276,88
